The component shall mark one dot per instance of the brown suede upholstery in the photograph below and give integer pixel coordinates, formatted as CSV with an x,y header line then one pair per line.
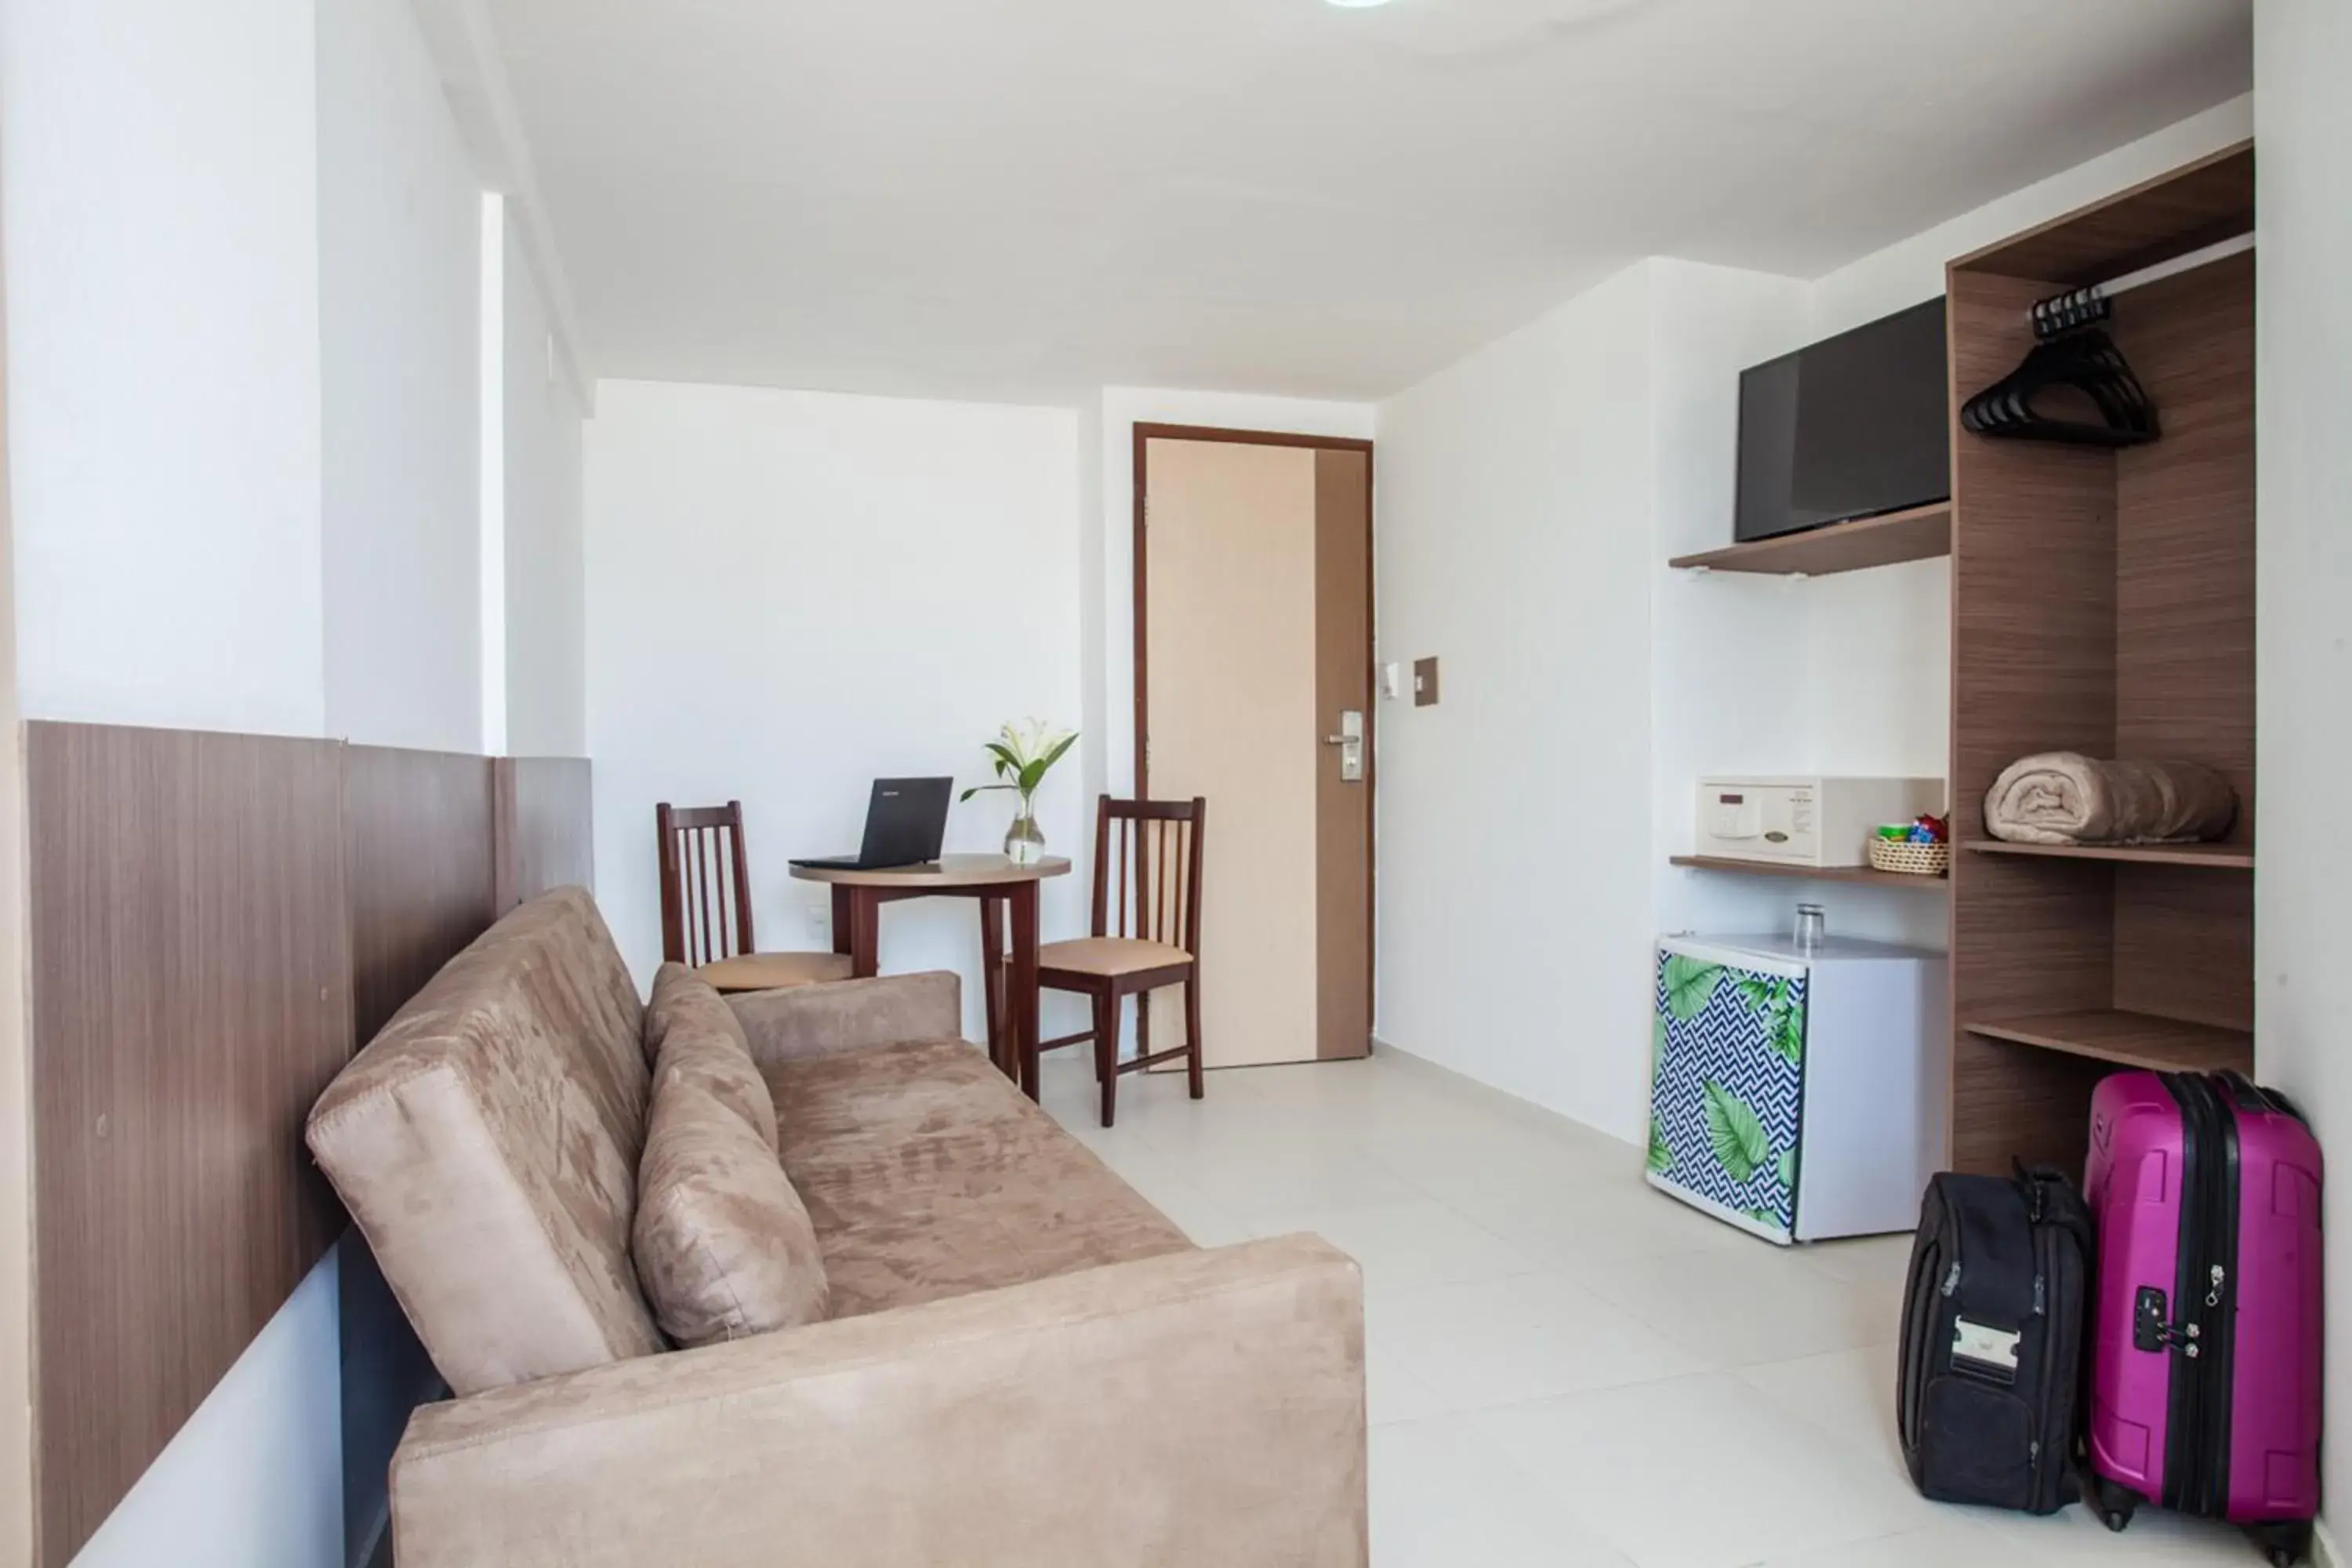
x,y
487,1145
716,1062
928,1174
679,993
723,1246
823,1020
1201,1410
1007,1316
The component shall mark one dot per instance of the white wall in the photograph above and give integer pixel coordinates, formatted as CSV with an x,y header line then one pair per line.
x,y
1529,497
159,171
160,168
2303,924
1514,542
546,638
791,593
256,1476
399,325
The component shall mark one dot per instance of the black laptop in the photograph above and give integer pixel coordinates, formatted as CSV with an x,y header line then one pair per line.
x,y
906,822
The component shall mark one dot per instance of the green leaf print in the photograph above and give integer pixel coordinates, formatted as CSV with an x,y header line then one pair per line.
x,y
1787,1169
1765,1217
1690,985
1735,1133
1789,1032
1661,1158
1657,1045
1760,992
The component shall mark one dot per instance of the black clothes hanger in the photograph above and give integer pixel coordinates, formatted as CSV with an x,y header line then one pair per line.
x,y
2073,355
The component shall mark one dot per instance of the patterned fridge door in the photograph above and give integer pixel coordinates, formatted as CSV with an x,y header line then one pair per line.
x,y
1726,1085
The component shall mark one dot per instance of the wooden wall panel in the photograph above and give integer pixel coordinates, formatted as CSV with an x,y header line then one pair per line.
x,y
191,997
417,847
419,874
2033,669
2185,530
545,826
2171,215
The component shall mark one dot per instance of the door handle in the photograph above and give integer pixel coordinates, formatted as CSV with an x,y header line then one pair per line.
x,y
1350,741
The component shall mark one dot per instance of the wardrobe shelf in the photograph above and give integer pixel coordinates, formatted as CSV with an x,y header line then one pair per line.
x,y
2220,857
1858,874
2131,1039
1919,534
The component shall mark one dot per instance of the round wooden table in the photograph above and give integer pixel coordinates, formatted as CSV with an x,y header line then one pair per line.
x,y
999,885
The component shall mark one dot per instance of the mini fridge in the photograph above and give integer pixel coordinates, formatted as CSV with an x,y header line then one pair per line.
x,y
1799,1094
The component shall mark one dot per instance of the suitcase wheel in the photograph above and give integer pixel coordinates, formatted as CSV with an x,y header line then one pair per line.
x,y
2113,1504
2287,1544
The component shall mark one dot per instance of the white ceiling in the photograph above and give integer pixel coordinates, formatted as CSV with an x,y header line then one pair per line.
x,y
1028,199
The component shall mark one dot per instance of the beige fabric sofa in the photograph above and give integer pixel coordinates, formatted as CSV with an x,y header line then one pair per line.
x,y
1025,1362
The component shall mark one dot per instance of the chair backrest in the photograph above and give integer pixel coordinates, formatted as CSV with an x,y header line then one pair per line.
x,y
1147,869
706,882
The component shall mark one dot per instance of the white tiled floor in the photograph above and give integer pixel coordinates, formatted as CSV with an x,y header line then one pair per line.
x,y
1565,1368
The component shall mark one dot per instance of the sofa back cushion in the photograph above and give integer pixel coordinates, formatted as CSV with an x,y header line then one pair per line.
x,y
487,1145
690,1026
723,1246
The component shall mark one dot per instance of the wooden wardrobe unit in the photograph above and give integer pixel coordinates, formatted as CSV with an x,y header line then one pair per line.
x,y
2102,601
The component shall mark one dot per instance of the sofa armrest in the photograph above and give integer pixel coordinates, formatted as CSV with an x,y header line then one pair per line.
x,y
850,1016
1201,1407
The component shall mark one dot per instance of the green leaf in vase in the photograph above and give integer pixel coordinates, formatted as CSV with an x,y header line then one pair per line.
x,y
1690,985
1735,1133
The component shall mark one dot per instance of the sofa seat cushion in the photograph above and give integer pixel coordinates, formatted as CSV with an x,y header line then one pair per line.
x,y
928,1174
721,1242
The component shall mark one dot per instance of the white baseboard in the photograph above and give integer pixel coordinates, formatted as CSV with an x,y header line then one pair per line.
x,y
2323,1550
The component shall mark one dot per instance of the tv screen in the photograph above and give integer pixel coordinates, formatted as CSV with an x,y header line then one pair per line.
x,y
1851,426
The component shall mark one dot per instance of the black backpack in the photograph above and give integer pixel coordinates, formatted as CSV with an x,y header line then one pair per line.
x,y
1988,1392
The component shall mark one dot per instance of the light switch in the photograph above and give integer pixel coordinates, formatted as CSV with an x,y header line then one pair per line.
x,y
1391,682
1424,683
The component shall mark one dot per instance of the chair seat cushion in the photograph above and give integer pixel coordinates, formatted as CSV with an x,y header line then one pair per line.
x,y
1110,955
775,971
928,1174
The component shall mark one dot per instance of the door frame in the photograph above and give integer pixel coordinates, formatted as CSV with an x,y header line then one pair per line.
x,y
1139,555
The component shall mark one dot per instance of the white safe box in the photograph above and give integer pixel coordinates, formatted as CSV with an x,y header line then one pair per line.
x,y
1806,821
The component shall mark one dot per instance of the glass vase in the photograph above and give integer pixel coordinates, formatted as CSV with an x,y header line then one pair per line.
x,y
1024,841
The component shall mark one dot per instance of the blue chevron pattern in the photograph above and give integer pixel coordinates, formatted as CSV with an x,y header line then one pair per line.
x,y
1726,1089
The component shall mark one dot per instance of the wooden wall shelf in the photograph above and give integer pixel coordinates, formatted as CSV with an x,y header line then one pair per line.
x,y
2103,602
1862,874
1919,534
2219,857
2132,1039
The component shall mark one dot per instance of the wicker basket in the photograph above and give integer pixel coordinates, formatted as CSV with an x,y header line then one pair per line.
x,y
1910,859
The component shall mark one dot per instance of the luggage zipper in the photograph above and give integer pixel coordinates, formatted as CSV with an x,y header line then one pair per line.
x,y
2197,1440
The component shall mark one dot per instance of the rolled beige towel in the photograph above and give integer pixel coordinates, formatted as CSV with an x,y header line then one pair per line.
x,y
2065,798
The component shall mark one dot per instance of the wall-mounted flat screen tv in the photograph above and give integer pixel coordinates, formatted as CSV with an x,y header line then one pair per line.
x,y
1851,426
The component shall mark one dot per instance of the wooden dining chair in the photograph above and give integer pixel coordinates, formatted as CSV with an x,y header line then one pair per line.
x,y
706,903
1153,896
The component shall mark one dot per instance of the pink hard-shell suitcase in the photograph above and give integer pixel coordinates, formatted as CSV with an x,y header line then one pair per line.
x,y
2205,1341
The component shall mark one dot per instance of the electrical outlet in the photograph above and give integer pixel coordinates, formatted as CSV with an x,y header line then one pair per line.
x,y
820,921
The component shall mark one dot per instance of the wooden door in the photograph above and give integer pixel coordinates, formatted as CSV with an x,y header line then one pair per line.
x,y
1253,609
